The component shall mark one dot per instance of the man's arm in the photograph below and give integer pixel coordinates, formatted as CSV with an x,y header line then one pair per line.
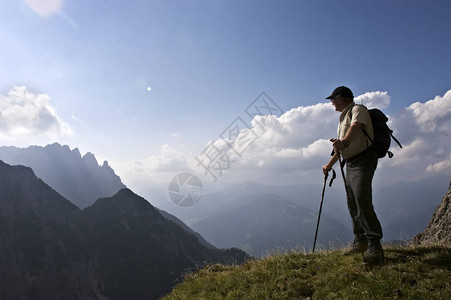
x,y
350,135
338,145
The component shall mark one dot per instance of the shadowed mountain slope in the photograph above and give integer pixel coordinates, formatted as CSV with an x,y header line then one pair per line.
x,y
149,252
121,247
42,256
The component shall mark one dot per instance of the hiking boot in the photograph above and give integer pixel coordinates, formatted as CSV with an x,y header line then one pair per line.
x,y
358,246
374,254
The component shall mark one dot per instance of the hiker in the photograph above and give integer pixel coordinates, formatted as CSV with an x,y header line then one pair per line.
x,y
361,162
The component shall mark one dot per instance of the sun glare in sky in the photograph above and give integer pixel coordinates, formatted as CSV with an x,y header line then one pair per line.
x,y
45,8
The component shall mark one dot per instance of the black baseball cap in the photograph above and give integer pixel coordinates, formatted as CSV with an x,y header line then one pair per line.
x,y
341,91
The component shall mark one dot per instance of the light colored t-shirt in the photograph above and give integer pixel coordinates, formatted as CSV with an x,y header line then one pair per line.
x,y
360,115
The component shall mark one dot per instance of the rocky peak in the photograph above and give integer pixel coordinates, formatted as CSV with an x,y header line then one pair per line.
x,y
123,202
79,179
90,160
439,227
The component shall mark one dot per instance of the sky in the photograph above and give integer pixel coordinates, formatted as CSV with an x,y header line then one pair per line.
x,y
150,86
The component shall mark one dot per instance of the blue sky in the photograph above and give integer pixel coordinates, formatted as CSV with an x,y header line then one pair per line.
x,y
204,62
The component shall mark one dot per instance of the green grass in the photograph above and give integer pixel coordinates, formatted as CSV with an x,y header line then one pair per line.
x,y
411,272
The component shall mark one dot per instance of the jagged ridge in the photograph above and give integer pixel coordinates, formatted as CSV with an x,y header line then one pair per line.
x,y
78,178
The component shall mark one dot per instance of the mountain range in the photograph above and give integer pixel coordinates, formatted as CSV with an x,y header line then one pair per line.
x,y
78,178
403,208
120,247
81,180
268,223
259,219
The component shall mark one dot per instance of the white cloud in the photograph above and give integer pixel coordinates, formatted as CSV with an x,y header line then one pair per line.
x,y
425,131
155,169
292,148
25,115
167,159
443,166
374,99
296,144
433,115
297,127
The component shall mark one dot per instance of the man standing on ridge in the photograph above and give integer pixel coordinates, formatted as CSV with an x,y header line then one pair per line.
x,y
361,162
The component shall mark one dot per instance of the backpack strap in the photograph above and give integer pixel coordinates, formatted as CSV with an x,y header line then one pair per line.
x,y
395,139
367,135
363,130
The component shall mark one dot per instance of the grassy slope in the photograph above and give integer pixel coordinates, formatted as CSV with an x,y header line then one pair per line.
x,y
410,272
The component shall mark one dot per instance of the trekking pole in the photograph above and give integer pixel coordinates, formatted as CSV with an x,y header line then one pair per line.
x,y
341,168
321,204
343,175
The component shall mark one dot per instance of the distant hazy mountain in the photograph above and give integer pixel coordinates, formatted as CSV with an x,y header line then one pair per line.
x,y
260,219
404,209
268,223
306,196
79,179
121,247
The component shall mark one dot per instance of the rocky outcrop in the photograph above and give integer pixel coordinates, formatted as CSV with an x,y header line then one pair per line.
x,y
439,228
